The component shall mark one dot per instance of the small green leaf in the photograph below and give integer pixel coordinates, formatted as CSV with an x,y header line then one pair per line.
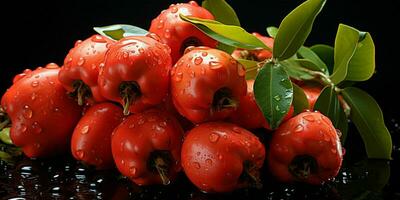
x,y
325,53
228,34
119,31
308,54
273,91
300,102
296,71
328,104
306,63
368,118
272,31
222,11
5,136
251,67
362,64
295,28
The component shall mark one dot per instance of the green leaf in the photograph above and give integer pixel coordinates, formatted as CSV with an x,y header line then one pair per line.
x,y
228,34
273,91
222,11
300,102
306,63
295,28
354,55
343,125
296,71
119,31
368,118
272,31
325,53
308,54
5,136
328,104
251,67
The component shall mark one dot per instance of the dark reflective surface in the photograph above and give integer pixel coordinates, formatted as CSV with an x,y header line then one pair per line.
x,y
65,178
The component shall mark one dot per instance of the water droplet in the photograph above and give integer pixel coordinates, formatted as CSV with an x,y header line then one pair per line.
x,y
209,161
277,98
131,126
192,74
132,171
101,65
85,130
167,34
36,127
27,112
160,24
277,108
220,156
23,128
141,50
204,54
141,121
203,71
80,154
37,76
98,38
122,162
299,128
81,61
214,137
78,42
236,129
196,165
241,71
52,66
125,54
56,109
52,82
163,124
215,65
159,129
178,76
309,118
35,83
198,60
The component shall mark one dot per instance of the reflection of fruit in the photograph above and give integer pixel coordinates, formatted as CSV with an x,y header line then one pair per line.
x,y
249,115
257,55
221,157
312,93
305,148
146,147
178,34
43,116
81,68
136,73
206,84
91,140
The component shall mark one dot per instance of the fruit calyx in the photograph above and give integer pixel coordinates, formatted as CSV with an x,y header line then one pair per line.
x,y
160,162
129,91
302,166
80,91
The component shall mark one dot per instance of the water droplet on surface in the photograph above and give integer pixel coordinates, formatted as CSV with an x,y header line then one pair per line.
x,y
80,154
141,50
214,137
174,9
23,128
98,38
78,42
196,165
122,162
81,61
85,130
277,98
204,54
33,96
192,74
209,162
198,60
141,121
36,127
27,112
236,129
309,118
132,171
167,34
215,65
131,126
178,76
299,128
35,83
163,124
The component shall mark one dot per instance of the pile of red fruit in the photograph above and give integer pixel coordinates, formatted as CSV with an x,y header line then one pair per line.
x,y
163,103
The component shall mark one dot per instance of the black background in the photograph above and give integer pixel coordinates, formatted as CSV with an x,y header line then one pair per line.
x,y
37,32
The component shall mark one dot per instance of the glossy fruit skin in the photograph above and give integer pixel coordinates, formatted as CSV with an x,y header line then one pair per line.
x,y
197,77
312,93
142,134
83,63
139,59
248,115
43,116
91,140
178,34
257,55
309,134
214,153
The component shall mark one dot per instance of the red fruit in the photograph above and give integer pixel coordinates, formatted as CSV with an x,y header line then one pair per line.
x,y
146,147
305,148
43,116
206,84
249,115
81,68
221,157
91,140
312,93
178,34
257,55
136,73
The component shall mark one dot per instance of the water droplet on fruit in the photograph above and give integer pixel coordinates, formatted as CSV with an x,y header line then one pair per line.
x,y
132,171
141,50
27,112
196,165
298,128
174,9
236,129
204,54
277,98
23,128
309,118
125,54
56,109
167,33
192,74
220,157
141,121
80,154
209,162
131,126
85,130
98,38
159,129
36,127
81,61
198,60
178,76
163,124
241,71
35,83
215,65
122,162
78,42
37,76
214,137
160,24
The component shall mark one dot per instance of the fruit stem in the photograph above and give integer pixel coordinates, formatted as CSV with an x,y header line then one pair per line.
x,y
129,92
162,169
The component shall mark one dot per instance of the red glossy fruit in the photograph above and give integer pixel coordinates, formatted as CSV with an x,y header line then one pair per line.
x,y
206,84
146,147
91,140
305,148
41,114
221,157
178,34
257,55
312,93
